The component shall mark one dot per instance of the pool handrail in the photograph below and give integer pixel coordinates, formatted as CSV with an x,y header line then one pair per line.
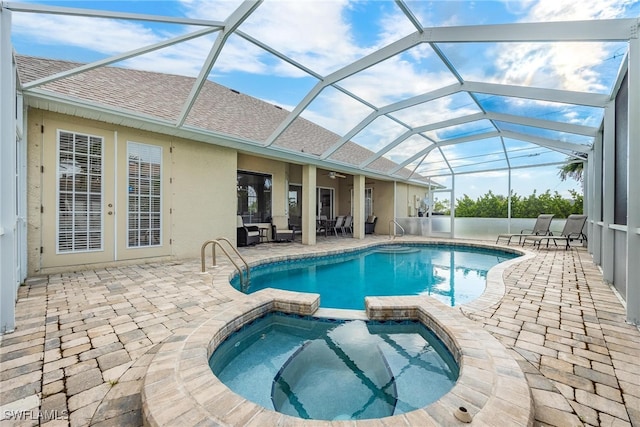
x,y
394,235
217,242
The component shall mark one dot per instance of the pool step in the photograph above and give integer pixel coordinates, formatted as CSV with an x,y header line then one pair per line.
x,y
397,249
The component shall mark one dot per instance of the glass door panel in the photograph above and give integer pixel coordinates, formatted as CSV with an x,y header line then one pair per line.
x,y
325,202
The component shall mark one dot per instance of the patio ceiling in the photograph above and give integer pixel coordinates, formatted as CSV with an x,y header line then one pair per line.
x,y
461,114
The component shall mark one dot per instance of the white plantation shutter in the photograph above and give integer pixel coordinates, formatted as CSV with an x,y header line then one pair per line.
x,y
144,201
79,202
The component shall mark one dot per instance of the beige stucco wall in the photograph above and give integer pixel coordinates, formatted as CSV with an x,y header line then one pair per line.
x,y
35,141
383,206
295,174
198,189
406,196
203,195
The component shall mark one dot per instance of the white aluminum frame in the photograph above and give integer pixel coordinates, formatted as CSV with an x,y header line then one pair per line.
x,y
625,30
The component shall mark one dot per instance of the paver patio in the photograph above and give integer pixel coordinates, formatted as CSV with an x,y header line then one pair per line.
x,y
84,339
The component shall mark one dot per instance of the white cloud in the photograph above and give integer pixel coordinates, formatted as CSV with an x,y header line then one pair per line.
x,y
570,66
336,111
569,10
100,35
314,33
394,26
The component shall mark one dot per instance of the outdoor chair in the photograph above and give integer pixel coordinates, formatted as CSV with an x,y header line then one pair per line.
x,y
322,225
572,231
347,226
281,231
247,234
370,224
540,228
338,225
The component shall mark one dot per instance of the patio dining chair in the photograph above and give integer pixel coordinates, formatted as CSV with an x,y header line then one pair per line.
x,y
347,227
338,225
572,231
540,228
322,225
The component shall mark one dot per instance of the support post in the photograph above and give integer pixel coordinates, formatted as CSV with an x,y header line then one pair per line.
x,y
309,204
595,213
358,206
633,177
509,203
9,280
608,192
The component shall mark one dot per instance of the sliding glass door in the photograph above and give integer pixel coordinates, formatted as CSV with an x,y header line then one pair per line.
x,y
325,202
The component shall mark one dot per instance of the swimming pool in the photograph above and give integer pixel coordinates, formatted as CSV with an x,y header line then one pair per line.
x,y
180,387
453,274
326,370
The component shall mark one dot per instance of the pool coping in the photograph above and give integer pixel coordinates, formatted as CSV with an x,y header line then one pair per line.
x,y
180,388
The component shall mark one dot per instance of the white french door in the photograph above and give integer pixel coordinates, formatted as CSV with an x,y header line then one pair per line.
x,y
77,205
103,196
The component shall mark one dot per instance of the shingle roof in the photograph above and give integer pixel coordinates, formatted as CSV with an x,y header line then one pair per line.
x,y
217,109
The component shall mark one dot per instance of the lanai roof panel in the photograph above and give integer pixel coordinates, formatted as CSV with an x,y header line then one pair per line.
x,y
442,70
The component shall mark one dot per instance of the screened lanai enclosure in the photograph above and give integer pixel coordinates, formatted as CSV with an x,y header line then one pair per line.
x,y
447,95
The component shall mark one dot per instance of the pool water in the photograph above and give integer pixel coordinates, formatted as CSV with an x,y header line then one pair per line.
x,y
453,274
329,370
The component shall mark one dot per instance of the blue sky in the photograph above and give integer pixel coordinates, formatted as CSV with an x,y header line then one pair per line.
x,y
325,36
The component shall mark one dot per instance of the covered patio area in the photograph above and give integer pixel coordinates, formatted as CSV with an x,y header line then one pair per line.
x,y
84,339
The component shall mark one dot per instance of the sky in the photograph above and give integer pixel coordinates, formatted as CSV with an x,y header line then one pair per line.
x,y
325,36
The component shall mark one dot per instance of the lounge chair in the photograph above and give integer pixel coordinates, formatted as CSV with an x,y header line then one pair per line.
x,y
572,231
370,224
540,228
247,234
281,232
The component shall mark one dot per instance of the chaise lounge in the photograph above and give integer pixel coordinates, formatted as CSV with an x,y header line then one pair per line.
x,y
572,231
540,228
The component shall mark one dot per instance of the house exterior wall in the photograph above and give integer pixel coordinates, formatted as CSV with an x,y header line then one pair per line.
x,y
383,207
198,187
198,194
203,196
401,197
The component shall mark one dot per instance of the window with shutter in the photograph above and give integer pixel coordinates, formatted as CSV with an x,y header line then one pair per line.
x,y
144,201
79,193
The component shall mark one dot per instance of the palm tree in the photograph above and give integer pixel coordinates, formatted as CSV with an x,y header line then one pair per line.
x,y
573,168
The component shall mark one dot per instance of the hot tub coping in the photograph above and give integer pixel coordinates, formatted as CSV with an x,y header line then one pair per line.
x,y
180,389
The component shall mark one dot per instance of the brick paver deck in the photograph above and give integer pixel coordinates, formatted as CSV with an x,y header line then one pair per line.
x,y
84,339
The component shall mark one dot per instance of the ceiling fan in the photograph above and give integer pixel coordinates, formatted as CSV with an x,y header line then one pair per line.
x,y
334,175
